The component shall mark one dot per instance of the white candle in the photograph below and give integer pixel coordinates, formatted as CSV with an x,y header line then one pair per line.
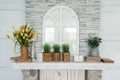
x,y
33,51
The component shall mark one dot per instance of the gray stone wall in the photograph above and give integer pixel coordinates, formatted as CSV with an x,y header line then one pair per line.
x,y
88,12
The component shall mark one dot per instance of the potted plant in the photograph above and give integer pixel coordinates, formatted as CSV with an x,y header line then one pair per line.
x,y
47,55
56,52
93,43
65,53
23,36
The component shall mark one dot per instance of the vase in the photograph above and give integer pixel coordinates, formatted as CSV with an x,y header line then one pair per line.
x,y
24,52
94,52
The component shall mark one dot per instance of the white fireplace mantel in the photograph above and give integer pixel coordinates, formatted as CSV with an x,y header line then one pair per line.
x,y
65,65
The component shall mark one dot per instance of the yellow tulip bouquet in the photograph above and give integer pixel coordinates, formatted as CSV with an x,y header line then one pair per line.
x,y
24,35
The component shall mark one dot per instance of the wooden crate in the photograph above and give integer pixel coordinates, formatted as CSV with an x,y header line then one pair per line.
x,y
92,59
107,60
19,59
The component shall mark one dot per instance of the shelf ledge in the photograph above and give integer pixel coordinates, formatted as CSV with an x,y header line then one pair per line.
x,y
64,65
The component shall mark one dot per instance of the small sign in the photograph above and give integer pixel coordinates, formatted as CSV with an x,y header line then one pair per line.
x,y
78,58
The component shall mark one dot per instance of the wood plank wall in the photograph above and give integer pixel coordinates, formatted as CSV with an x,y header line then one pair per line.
x,y
62,75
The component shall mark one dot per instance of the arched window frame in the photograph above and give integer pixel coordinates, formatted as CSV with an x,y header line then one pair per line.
x,y
77,25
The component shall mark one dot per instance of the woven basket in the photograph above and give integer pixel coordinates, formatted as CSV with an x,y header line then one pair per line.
x,y
24,52
56,57
66,57
47,57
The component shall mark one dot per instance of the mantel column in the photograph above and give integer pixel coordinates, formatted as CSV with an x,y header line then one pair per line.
x,y
93,74
30,75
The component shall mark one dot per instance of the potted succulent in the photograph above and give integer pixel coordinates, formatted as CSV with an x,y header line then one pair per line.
x,y
93,43
65,53
47,55
56,52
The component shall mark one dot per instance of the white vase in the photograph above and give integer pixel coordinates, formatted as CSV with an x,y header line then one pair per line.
x,y
94,52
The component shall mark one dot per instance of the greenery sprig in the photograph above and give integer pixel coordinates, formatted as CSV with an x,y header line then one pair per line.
x,y
56,48
65,48
94,42
46,48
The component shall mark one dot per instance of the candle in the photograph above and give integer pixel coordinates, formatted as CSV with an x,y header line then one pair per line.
x,y
33,52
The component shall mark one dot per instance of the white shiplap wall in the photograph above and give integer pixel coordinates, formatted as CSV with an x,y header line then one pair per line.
x,y
110,32
11,14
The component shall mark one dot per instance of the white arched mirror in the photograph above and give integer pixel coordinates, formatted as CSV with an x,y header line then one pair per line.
x,y
61,25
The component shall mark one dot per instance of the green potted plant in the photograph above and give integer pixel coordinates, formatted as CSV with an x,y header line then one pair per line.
x,y
23,37
47,55
56,52
65,53
93,43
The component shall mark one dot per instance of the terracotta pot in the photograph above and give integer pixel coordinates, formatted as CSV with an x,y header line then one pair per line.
x,y
56,57
66,57
47,57
24,52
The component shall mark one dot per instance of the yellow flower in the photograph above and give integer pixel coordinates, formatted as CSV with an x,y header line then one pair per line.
x,y
15,37
33,34
8,36
23,26
26,38
18,32
23,31
23,35
27,30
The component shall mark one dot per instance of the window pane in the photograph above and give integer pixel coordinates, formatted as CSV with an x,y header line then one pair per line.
x,y
49,34
69,34
55,14
73,49
70,22
65,14
49,22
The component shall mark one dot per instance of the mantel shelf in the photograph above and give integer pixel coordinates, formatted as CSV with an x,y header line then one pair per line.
x,y
65,65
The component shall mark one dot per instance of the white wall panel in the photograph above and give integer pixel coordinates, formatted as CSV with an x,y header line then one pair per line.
x,y
110,2
110,32
11,14
12,1
10,74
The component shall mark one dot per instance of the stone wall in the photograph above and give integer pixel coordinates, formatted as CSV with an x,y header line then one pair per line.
x,y
88,12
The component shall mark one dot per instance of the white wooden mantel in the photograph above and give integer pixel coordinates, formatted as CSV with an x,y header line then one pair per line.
x,y
63,70
64,65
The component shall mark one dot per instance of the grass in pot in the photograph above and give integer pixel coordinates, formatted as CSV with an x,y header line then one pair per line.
x,y
47,55
65,53
56,52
